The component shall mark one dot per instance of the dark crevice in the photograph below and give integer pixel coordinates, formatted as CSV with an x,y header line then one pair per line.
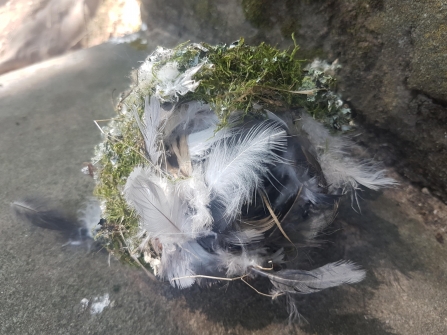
x,y
439,102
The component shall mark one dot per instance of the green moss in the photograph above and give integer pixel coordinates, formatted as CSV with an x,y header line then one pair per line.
x,y
121,153
243,76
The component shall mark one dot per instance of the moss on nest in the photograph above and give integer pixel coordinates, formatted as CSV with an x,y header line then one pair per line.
x,y
121,151
243,76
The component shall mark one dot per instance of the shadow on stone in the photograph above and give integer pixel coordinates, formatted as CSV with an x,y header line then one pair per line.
x,y
363,238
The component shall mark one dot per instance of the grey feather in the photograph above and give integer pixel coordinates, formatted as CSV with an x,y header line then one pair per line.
x,y
303,282
38,212
161,215
151,129
340,169
236,167
189,118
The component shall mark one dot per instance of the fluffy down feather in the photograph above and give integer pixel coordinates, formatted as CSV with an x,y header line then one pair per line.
x,y
236,167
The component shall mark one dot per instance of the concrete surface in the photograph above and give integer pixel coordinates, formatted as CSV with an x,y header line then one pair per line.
x,y
46,130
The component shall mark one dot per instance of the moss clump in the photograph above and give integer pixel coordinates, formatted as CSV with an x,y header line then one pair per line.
x,y
243,77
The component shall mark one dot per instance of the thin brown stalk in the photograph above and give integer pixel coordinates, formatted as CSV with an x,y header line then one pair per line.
x,y
273,296
275,218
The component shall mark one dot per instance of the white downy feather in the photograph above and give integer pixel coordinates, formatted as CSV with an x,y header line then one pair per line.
x,y
235,167
197,195
181,262
89,216
162,214
240,264
164,218
176,263
172,83
151,128
146,70
237,264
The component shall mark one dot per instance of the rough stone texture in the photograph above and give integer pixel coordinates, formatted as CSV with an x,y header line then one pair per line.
x,y
387,56
203,20
46,128
394,57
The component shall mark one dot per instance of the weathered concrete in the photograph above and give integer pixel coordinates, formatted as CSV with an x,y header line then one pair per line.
x,y
46,128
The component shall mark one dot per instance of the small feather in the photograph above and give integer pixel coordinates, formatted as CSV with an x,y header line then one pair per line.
x,y
89,217
39,213
172,83
236,166
161,215
189,118
196,194
340,169
151,128
303,282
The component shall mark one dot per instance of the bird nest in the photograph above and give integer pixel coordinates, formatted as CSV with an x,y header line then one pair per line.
x,y
222,162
